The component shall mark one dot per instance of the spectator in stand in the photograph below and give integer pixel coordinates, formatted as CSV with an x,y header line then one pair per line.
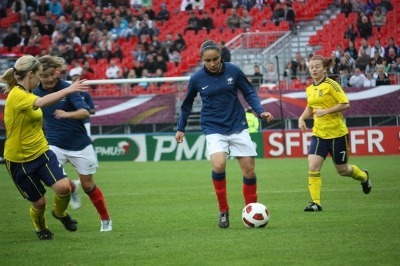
x,y
391,57
256,79
362,60
174,56
11,39
385,5
278,14
346,7
288,72
290,16
270,75
369,81
168,42
76,69
150,64
396,66
138,68
344,71
225,52
179,43
193,23
42,8
68,7
224,5
32,48
377,49
302,72
358,5
113,71
19,6
372,67
369,7
24,38
391,44
382,78
350,33
365,46
68,52
333,69
164,14
295,63
365,28
357,79
117,52
378,19
161,63
350,61
339,51
352,50
386,65
233,20
207,23
46,28
246,20
188,5
56,8
3,9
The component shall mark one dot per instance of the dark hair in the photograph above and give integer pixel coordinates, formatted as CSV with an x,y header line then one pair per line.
x,y
210,44
326,62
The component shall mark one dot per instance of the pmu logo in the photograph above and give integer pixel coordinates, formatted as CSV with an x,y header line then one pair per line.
x,y
116,149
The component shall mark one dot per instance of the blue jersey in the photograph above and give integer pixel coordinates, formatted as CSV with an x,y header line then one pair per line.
x,y
68,134
221,111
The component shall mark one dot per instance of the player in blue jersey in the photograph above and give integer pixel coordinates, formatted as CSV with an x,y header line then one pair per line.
x,y
67,135
223,121
28,159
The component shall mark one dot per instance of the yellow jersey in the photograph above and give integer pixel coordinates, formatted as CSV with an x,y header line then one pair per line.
x,y
25,140
322,96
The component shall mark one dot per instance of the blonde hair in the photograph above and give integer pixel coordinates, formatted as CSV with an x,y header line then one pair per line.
x,y
18,72
49,61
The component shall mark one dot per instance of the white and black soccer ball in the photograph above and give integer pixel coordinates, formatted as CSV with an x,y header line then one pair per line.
x,y
255,215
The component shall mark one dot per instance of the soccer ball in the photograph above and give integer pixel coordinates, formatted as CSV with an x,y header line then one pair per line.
x,y
255,215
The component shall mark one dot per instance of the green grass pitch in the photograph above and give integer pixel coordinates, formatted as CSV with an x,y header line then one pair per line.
x,y
165,213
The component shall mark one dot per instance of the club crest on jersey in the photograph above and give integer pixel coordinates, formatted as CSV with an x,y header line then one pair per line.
x,y
229,80
320,93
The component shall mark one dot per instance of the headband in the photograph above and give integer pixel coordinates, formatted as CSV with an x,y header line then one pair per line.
x,y
210,46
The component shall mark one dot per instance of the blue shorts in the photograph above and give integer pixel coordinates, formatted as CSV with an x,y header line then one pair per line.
x,y
29,177
338,148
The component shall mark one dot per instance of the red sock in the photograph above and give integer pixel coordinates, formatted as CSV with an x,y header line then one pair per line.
x,y
249,190
219,183
96,197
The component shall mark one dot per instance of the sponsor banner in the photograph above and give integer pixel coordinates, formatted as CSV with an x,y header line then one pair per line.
x,y
362,141
120,147
165,147
269,144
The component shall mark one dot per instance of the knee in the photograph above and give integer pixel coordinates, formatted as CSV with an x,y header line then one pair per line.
x,y
40,204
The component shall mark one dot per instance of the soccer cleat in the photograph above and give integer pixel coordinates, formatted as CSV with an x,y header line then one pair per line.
x,y
67,221
75,201
366,185
45,234
106,225
223,221
314,207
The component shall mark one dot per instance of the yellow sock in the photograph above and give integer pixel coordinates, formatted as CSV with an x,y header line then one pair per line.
x,y
358,174
61,204
314,186
38,218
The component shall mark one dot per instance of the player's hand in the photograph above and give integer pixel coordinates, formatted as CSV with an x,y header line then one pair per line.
x,y
320,112
302,125
78,86
59,114
267,116
179,136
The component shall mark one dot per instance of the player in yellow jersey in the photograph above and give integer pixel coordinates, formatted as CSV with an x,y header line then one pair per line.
x,y
29,160
325,102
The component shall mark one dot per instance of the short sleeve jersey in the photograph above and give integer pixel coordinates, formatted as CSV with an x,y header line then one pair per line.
x,y
322,96
25,138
